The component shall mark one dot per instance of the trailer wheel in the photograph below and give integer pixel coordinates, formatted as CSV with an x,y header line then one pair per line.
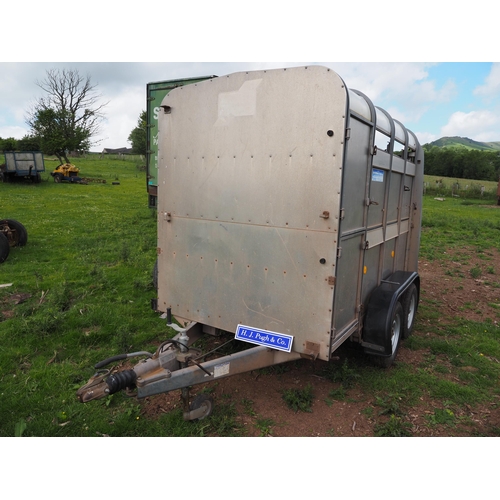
x,y
4,247
155,275
202,401
16,233
395,333
410,305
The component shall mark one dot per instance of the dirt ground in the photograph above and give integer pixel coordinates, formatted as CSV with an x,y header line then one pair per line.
x,y
257,396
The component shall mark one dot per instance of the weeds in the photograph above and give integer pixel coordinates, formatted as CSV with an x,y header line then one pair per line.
x,y
394,427
338,394
20,428
248,407
390,405
442,417
346,375
299,399
476,272
265,426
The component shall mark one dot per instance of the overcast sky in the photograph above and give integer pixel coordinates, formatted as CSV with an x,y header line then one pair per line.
x,y
432,99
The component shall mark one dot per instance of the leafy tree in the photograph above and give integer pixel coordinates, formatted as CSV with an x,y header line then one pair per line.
x,y
462,163
68,116
138,136
9,144
29,143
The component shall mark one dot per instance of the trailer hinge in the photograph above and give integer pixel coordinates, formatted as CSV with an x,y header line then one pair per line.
x,y
150,125
342,213
150,98
347,134
339,252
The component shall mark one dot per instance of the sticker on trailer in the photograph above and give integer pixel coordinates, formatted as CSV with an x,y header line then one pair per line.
x,y
221,370
279,341
377,175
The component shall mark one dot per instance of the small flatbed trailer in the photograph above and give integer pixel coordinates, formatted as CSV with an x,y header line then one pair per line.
x,y
23,165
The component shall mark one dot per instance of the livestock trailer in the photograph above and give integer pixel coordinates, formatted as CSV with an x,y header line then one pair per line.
x,y
289,213
24,164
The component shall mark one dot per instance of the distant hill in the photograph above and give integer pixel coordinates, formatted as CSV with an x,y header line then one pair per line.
x,y
464,142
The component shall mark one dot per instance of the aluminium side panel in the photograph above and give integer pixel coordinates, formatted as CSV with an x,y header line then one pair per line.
x,y
249,178
352,228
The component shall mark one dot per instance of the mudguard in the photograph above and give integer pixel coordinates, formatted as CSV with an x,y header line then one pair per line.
x,y
377,322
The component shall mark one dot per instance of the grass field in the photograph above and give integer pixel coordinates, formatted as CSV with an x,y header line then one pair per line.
x,y
81,291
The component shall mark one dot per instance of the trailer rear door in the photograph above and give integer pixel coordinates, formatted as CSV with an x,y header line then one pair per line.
x,y
249,185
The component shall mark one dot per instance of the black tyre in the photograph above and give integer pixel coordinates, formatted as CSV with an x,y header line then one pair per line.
x,y
16,233
4,247
155,275
395,332
410,306
205,401
58,178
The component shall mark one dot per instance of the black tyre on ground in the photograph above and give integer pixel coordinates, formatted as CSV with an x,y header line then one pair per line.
x,y
410,306
395,332
4,247
16,233
155,275
57,178
205,401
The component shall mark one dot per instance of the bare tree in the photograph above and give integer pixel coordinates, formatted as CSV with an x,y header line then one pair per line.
x,y
68,115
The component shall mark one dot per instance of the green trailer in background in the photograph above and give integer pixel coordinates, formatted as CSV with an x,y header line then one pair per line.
x,y
155,93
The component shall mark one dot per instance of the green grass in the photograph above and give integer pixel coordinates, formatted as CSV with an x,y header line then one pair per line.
x,y
81,291
86,275
446,225
466,190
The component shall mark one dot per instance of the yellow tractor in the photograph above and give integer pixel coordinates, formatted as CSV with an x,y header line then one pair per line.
x,y
66,172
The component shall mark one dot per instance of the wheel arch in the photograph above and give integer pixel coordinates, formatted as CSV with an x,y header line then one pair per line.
x,y
376,339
